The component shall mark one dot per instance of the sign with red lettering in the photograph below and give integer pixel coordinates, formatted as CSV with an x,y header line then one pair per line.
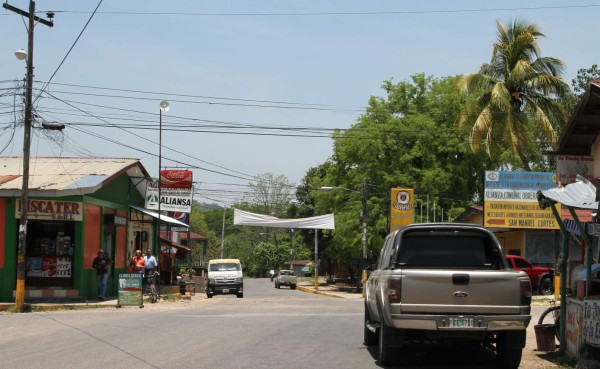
x,y
176,178
63,267
402,208
52,210
176,191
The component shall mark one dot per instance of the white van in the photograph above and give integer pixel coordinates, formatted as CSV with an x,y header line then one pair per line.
x,y
224,277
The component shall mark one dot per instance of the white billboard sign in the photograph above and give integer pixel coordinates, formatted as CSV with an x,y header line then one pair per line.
x,y
171,199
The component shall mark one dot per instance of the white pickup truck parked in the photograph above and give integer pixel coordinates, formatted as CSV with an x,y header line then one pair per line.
x,y
286,278
447,283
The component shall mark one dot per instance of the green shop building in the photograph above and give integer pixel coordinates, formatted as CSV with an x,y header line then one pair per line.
x,y
76,206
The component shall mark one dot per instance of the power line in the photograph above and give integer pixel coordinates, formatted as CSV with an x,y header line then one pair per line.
x,y
70,49
162,94
155,143
312,14
254,105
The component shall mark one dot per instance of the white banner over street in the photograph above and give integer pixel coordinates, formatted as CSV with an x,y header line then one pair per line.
x,y
241,217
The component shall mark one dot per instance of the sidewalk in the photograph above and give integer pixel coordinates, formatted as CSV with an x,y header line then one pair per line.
x,y
331,290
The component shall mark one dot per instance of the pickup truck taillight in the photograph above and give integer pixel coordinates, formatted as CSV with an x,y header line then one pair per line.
x,y
525,287
394,289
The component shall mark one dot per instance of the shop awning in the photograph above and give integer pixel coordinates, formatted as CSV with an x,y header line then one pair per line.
x,y
180,250
163,218
164,241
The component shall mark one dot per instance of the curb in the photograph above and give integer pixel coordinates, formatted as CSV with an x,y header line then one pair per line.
x,y
324,293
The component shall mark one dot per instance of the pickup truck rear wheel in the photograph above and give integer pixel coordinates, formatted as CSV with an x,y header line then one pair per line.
x,y
508,354
385,351
293,286
546,286
370,338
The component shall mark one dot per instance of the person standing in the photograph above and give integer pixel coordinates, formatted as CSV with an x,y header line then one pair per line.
x,y
101,264
151,265
138,264
150,261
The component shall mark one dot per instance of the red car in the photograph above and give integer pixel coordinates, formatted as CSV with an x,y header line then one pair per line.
x,y
542,278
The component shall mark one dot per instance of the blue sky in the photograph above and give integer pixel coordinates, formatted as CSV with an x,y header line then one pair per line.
x,y
296,65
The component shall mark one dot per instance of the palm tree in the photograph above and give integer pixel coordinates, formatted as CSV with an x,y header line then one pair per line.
x,y
513,104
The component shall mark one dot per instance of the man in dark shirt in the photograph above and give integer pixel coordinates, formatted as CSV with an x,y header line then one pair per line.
x,y
101,264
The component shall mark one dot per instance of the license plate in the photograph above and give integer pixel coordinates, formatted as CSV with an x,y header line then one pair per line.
x,y
225,291
460,322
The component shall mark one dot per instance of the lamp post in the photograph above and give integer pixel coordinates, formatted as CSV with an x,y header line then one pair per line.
x,y
364,213
28,57
164,106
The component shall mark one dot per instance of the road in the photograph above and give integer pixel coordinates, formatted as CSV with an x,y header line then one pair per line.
x,y
268,328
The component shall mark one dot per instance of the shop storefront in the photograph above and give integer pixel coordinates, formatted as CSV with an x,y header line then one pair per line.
x,y
76,206
142,225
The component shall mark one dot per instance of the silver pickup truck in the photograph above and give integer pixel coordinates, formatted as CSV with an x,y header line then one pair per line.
x,y
446,282
286,278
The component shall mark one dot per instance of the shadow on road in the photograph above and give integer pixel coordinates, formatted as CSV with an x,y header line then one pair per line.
x,y
434,356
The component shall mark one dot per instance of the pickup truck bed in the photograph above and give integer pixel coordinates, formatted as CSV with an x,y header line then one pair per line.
x,y
446,282
286,278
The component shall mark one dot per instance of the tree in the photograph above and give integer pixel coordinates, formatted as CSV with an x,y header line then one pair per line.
x,y
270,194
580,85
405,139
584,76
514,99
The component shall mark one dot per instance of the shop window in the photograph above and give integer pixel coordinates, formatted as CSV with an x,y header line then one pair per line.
x,y
50,251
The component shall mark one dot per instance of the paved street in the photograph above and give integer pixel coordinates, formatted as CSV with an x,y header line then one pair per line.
x,y
268,328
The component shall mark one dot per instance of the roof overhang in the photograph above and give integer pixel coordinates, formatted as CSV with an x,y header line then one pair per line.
x,y
155,215
164,241
583,128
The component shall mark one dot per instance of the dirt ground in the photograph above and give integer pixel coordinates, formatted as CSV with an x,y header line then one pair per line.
x,y
534,359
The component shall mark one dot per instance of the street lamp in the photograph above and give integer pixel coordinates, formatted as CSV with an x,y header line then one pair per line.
x,y
21,54
164,106
364,214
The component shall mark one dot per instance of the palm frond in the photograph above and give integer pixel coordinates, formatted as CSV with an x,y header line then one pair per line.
x,y
500,99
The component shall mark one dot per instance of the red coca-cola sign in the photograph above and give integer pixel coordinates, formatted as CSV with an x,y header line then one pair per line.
x,y
176,178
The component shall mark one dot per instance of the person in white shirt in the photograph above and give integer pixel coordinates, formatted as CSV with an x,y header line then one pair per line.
x,y
151,264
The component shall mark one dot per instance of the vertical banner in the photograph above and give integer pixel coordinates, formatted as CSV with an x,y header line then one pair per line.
x,y
402,208
175,191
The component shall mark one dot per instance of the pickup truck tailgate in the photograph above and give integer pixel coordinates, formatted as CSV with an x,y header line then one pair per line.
x,y
459,291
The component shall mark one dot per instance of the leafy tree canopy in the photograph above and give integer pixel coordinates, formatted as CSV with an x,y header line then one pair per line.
x,y
406,139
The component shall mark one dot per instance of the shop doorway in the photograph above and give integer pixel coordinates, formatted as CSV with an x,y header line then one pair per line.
x,y
50,253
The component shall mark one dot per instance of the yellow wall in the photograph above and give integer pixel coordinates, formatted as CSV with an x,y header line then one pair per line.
x,y
512,242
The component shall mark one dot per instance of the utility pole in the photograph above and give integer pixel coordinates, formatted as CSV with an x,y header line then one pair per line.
x,y
365,216
22,246
223,232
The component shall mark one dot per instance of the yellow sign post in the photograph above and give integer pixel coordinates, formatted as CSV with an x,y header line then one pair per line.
x,y
402,210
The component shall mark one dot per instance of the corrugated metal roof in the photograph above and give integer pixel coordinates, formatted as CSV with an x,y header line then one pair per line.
x,y
581,194
79,175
